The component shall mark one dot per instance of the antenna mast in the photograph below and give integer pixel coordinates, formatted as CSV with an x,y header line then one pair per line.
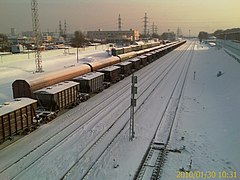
x,y
37,35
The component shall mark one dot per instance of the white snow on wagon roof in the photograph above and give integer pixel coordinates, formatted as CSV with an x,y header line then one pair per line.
x,y
124,63
57,87
89,76
109,68
18,103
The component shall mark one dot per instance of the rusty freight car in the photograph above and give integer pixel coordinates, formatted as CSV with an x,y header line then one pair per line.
x,y
136,63
91,82
111,74
58,96
26,87
126,68
16,116
143,60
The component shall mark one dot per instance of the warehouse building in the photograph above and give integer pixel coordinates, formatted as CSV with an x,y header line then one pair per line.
x,y
114,36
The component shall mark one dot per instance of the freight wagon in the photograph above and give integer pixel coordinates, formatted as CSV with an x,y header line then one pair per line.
x,y
58,96
26,87
149,58
111,74
143,60
66,94
136,64
91,82
16,116
126,68
117,51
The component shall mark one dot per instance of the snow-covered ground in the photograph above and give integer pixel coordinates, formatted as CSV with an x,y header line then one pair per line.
x,y
208,119
17,66
209,116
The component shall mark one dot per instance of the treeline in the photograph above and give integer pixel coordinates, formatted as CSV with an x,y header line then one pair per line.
x,y
4,44
229,34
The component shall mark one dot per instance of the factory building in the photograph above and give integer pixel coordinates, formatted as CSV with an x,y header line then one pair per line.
x,y
114,36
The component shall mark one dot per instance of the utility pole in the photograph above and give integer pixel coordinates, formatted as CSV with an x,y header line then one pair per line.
x,y
156,29
65,37
153,28
65,28
133,104
119,23
37,36
60,29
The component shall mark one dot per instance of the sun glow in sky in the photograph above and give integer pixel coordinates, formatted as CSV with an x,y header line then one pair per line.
x,y
194,15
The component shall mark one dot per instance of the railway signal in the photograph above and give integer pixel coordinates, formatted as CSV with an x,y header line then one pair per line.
x,y
133,104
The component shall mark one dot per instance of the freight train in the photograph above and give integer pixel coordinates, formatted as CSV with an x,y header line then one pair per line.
x,y
67,88
26,87
123,50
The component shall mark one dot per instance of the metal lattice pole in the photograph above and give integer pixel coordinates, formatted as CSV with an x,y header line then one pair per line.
x,y
37,36
145,22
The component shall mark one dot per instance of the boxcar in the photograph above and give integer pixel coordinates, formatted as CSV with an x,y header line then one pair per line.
x,y
90,82
117,51
111,74
126,68
58,96
143,60
158,53
149,57
144,46
136,63
154,55
135,47
16,116
127,49
26,87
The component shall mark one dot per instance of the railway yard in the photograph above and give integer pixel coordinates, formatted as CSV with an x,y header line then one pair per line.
x,y
180,101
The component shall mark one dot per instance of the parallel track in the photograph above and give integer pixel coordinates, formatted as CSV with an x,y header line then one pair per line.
x,y
157,151
62,134
101,106
124,127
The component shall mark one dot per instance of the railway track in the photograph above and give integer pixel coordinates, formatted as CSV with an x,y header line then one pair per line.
x,y
63,134
156,154
77,167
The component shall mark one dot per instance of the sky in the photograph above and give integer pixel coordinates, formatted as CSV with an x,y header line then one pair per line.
x,y
191,16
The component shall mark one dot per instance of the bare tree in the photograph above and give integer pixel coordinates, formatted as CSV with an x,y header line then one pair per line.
x,y
78,40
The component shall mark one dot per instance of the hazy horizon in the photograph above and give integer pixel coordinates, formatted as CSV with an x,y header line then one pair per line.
x,y
193,15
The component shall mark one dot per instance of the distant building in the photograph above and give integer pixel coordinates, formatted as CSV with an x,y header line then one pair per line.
x,y
17,48
13,32
114,36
